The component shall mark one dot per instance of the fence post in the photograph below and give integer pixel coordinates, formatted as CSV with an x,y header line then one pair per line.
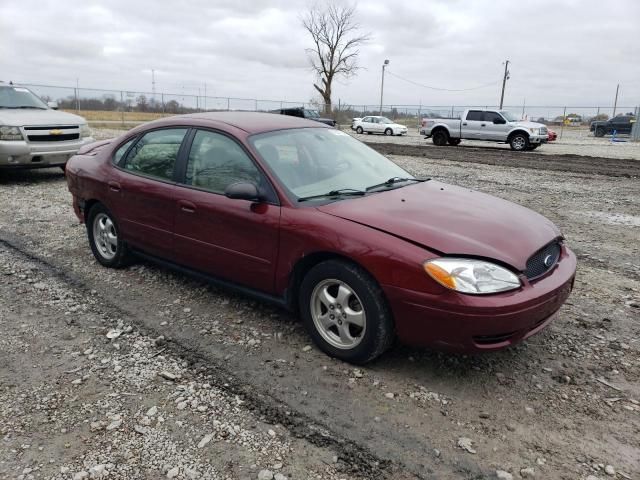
x,y
122,106
228,104
256,109
162,98
564,115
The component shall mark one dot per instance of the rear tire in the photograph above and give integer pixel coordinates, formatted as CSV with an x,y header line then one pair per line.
x,y
440,138
359,130
388,132
454,141
519,142
345,312
104,238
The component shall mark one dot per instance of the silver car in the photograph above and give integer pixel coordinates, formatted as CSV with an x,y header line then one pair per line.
x,y
34,135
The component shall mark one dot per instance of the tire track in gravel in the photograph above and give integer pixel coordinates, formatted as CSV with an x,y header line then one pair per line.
x,y
360,459
612,167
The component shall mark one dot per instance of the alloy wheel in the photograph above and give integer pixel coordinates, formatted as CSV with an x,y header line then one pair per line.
x,y
105,236
338,314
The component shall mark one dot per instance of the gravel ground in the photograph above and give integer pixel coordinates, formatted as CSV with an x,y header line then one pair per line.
x,y
573,142
563,405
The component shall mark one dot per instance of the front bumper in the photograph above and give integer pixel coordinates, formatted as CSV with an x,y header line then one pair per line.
x,y
475,323
22,154
538,139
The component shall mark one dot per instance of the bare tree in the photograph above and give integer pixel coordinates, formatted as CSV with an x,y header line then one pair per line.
x,y
334,32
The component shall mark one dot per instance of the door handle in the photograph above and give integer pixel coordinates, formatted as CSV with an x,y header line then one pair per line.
x,y
114,186
483,125
464,124
187,207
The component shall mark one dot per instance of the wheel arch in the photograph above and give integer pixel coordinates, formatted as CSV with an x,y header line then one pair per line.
x,y
516,131
304,264
439,128
87,206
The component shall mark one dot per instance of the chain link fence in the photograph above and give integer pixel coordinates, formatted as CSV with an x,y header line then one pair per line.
x,y
130,106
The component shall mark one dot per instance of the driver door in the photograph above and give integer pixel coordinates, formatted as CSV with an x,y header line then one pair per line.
x,y
236,240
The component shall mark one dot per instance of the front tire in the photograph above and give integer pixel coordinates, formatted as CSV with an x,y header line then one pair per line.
x,y
600,132
345,312
440,138
388,132
104,238
519,142
359,130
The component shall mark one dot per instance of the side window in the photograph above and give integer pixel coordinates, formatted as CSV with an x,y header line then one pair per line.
x,y
216,161
156,153
490,116
474,115
366,119
121,151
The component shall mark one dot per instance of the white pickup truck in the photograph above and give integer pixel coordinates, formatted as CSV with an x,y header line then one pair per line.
x,y
490,125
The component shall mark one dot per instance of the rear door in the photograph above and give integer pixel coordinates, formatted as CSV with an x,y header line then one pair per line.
x,y
141,191
471,124
366,124
236,240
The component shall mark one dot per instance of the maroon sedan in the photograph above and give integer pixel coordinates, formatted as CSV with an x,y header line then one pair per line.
x,y
295,212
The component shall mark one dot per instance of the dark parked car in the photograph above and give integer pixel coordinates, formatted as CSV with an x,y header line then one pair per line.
x,y
619,124
309,114
303,215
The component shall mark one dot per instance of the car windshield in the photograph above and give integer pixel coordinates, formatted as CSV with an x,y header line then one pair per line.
x,y
315,161
509,117
311,114
19,97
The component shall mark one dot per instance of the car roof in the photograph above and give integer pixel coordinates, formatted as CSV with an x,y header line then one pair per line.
x,y
250,122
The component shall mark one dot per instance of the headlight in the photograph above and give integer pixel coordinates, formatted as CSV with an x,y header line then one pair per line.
x,y
10,133
85,131
471,276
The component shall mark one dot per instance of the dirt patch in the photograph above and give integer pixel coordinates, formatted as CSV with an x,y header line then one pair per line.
x,y
490,155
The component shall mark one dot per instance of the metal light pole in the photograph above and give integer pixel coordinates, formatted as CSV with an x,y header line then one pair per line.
x,y
386,62
504,81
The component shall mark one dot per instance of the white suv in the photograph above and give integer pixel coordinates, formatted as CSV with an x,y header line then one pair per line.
x,y
34,135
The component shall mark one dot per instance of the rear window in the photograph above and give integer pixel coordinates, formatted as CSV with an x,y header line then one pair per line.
x,y
475,115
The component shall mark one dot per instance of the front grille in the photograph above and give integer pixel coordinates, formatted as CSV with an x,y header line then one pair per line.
x,y
52,127
53,138
543,260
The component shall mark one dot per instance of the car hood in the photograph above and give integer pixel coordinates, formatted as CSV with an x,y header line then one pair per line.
x,y
33,117
452,220
528,124
395,125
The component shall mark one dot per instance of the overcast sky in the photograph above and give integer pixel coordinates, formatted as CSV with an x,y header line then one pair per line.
x,y
562,52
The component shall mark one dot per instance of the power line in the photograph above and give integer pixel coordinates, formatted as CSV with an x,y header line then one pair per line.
x,y
485,85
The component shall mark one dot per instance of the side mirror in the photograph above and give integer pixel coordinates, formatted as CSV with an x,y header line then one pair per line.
x,y
242,191
499,121
52,105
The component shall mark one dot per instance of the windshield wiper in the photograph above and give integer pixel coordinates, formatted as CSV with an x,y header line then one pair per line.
x,y
335,193
393,180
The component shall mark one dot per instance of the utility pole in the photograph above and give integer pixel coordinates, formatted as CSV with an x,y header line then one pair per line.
x,y
504,81
615,102
386,62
